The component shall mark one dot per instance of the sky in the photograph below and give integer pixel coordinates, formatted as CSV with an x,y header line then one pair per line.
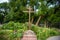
x,y
1,1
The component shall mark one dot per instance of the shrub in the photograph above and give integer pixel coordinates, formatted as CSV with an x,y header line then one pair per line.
x,y
43,33
14,30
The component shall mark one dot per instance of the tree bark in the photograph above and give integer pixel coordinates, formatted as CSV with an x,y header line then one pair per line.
x,y
45,24
18,38
38,21
32,20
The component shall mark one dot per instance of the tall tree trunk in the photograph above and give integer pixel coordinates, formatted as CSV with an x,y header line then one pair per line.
x,y
38,21
32,20
18,38
45,24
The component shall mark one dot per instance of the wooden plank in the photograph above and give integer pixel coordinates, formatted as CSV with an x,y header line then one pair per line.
x,y
28,11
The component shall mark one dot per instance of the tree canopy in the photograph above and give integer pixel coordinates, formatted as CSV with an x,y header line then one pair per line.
x,y
48,10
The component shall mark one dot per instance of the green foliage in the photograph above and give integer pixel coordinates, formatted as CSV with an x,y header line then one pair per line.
x,y
9,28
17,17
4,9
1,18
16,8
42,8
53,16
13,26
44,33
4,34
13,11
16,14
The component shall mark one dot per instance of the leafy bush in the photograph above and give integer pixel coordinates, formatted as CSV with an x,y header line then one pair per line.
x,y
44,33
4,34
14,30
14,26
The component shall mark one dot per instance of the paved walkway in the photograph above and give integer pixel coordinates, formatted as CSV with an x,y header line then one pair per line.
x,y
54,38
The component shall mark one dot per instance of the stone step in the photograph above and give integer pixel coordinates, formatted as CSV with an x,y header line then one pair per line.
x,y
29,35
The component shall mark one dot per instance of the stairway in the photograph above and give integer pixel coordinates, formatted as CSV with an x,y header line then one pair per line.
x,y
29,35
